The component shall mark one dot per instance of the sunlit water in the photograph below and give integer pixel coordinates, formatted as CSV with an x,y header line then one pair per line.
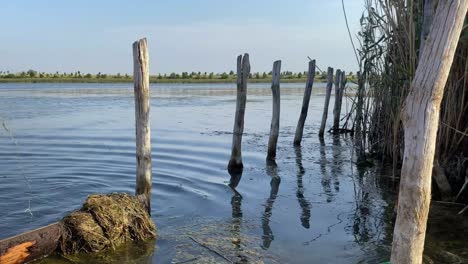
x,y
62,142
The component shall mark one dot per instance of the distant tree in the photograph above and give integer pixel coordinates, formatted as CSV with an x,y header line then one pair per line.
x,y
185,75
299,75
211,75
264,76
224,75
88,76
172,75
231,73
257,75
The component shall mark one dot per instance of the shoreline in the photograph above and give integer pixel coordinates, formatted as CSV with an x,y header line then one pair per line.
x,y
121,80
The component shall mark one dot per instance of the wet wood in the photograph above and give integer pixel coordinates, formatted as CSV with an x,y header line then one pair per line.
x,y
337,106
275,120
31,245
305,103
142,119
420,117
327,101
243,71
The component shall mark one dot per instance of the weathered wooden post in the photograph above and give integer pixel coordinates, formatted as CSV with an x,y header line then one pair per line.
x,y
327,100
305,103
420,117
336,112
142,120
275,119
243,71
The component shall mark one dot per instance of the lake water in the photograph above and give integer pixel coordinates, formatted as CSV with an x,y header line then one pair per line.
x,y
62,142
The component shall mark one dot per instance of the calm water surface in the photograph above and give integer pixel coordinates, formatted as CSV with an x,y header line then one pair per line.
x,y
62,142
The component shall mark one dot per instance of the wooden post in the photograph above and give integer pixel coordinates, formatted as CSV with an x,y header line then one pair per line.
x,y
274,128
336,112
420,117
327,101
305,103
243,71
142,120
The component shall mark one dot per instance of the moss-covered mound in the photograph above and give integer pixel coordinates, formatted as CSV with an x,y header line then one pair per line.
x,y
106,221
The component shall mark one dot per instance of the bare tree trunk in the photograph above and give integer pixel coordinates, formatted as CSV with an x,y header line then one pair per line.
x,y
275,119
337,106
243,71
420,116
305,103
142,119
327,101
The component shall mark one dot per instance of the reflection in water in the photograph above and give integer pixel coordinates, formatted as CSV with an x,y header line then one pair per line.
x,y
235,228
303,202
325,176
336,169
272,171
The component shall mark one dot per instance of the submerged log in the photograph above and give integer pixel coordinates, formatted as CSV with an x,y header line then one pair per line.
x,y
327,101
142,119
275,119
420,117
243,71
31,245
305,103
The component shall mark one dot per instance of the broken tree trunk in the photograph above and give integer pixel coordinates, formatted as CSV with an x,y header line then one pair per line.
x,y
327,101
420,117
337,106
275,119
305,103
243,71
142,120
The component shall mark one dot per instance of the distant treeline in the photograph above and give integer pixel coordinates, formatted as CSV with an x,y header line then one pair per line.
x,y
184,77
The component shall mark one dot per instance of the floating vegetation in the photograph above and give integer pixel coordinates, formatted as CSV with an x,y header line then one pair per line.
x,y
104,222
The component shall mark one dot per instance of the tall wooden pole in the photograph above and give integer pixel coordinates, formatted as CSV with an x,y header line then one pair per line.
x,y
142,119
275,119
243,71
305,103
327,101
420,117
340,82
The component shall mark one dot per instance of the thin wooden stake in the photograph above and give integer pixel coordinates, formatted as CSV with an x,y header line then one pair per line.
x,y
243,71
336,112
274,128
142,119
305,103
327,101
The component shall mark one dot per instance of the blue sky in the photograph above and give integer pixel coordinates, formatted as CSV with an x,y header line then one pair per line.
x,y
183,35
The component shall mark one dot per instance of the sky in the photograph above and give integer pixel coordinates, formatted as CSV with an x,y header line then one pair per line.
x,y
183,35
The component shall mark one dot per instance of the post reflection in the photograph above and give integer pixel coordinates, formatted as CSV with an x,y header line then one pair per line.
x,y
326,182
236,223
268,236
303,202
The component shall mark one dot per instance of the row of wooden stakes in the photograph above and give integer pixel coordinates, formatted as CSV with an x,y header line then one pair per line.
x,y
243,70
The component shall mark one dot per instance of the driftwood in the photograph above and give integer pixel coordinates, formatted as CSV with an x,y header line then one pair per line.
x,y
327,101
243,71
275,119
305,103
142,120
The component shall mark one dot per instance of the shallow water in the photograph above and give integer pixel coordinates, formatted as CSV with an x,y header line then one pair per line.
x,y
62,142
